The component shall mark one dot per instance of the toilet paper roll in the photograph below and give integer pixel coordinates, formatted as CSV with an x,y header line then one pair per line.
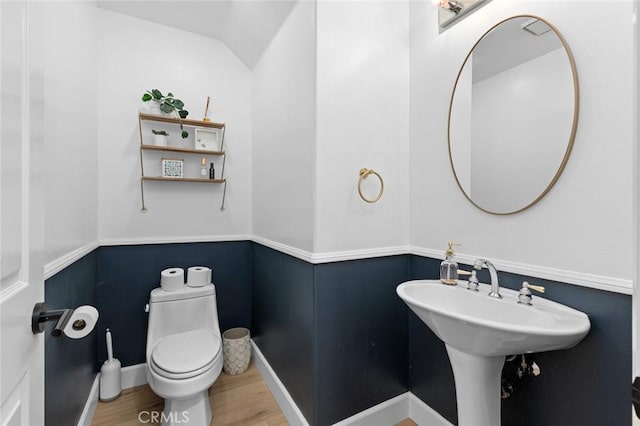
x,y
172,279
198,276
82,321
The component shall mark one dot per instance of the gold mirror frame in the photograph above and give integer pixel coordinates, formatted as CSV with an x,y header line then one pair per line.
x,y
574,124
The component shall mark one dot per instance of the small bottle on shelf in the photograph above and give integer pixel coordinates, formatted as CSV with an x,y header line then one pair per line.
x,y
212,172
203,168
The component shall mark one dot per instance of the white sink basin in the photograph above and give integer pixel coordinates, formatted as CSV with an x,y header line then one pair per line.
x,y
477,324
478,331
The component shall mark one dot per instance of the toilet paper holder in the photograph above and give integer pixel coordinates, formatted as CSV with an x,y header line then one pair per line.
x,y
41,315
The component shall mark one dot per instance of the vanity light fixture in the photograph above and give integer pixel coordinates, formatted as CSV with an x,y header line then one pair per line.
x,y
452,11
452,5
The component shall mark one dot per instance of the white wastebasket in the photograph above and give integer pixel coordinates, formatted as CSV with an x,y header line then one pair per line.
x,y
236,349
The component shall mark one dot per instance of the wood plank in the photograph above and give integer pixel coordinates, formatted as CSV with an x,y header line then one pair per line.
x,y
177,149
243,399
407,422
166,179
186,121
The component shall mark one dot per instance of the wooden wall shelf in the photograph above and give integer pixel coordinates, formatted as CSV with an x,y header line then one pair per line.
x,y
165,179
185,122
187,150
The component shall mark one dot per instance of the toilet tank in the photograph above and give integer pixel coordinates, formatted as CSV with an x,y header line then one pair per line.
x,y
189,308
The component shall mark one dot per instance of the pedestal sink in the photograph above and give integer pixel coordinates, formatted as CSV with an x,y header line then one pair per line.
x,y
479,331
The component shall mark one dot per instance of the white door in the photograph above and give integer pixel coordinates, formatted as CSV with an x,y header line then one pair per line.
x,y
21,215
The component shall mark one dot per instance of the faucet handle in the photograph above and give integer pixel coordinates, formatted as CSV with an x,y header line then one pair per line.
x,y
537,288
524,296
473,283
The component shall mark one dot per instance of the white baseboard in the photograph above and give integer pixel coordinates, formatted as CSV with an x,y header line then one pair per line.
x,y
133,375
396,410
130,377
92,402
386,413
422,414
287,405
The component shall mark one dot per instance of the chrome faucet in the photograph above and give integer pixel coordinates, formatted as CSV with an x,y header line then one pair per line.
x,y
495,286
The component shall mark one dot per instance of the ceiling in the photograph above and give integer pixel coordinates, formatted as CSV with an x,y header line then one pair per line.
x,y
246,27
508,45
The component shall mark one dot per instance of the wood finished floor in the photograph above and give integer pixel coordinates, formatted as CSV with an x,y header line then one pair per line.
x,y
242,400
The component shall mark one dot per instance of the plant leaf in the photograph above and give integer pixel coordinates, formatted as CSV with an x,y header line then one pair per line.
x,y
183,113
170,95
166,108
178,104
185,134
156,94
146,97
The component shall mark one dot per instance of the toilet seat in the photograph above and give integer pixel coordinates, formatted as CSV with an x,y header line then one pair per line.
x,y
185,355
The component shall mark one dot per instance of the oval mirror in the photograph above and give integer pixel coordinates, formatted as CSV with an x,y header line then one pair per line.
x,y
513,115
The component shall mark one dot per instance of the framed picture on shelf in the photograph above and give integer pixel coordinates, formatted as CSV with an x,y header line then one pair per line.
x,y
207,139
172,168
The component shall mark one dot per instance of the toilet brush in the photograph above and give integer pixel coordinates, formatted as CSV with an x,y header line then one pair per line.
x,y
110,387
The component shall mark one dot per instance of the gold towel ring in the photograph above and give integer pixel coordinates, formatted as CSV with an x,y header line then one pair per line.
x,y
364,173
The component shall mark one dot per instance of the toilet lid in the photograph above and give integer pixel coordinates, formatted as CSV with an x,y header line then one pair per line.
x,y
187,351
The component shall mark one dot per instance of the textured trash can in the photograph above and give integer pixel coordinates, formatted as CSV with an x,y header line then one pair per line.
x,y
236,350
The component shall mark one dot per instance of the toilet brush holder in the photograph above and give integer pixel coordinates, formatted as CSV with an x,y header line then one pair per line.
x,y
110,386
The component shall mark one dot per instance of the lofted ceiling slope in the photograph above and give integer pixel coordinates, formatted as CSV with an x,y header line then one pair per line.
x,y
246,27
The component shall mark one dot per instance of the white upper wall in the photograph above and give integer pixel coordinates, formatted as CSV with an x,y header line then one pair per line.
x,y
363,122
70,126
584,224
284,111
137,55
246,27
354,97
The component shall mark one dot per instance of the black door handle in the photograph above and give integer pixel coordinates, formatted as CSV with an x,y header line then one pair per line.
x,y
635,395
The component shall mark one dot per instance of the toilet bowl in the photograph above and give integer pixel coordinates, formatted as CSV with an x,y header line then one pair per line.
x,y
184,352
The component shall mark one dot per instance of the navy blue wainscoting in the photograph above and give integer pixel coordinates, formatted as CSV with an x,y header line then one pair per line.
x,y
127,274
430,373
335,334
361,335
586,385
70,365
282,314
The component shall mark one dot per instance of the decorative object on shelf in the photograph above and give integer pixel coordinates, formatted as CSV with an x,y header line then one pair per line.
x,y
172,168
212,172
169,105
364,173
203,168
160,137
207,139
206,111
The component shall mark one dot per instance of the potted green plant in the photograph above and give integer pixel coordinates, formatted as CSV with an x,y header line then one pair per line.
x,y
168,104
160,137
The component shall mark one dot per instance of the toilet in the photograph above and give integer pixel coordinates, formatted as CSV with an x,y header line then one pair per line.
x,y
184,352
